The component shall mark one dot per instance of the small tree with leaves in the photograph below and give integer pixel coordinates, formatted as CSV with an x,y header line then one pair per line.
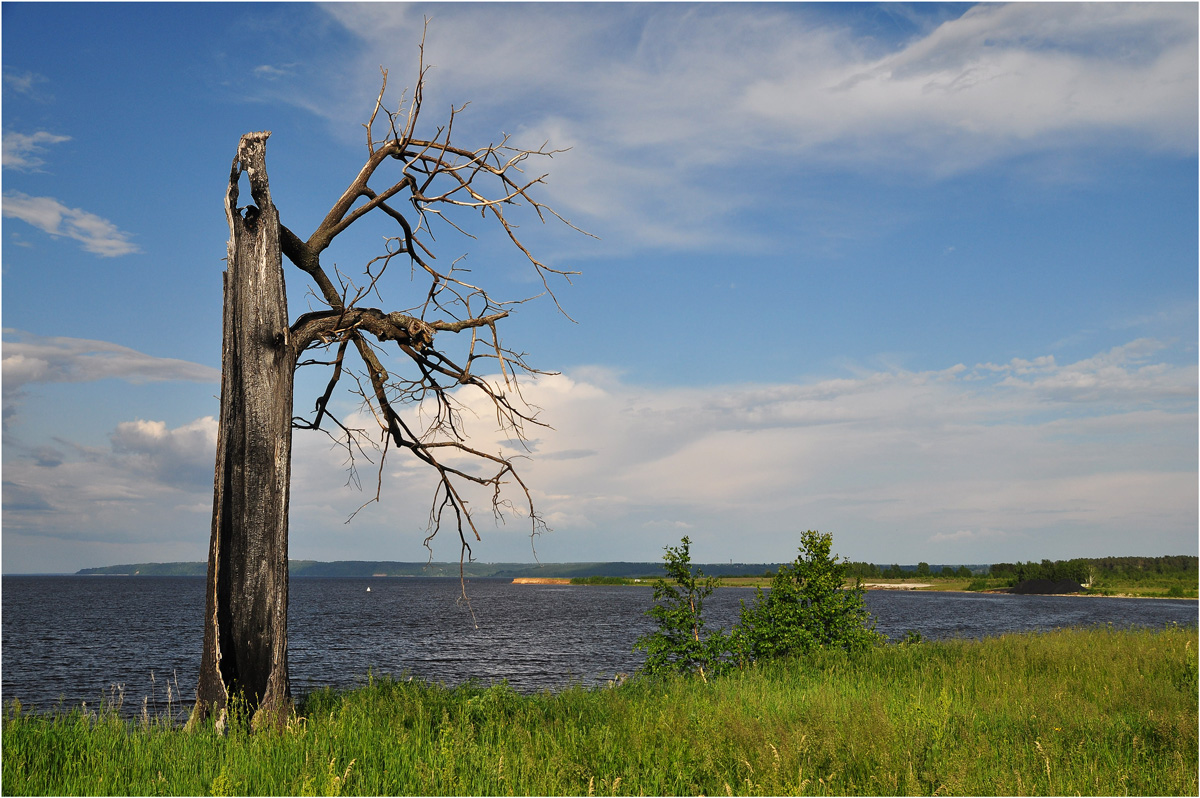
x,y
807,607
680,644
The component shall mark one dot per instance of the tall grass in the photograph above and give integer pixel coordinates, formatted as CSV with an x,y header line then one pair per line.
x,y
1093,712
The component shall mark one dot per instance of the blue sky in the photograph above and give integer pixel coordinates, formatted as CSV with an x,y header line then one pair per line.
x,y
923,276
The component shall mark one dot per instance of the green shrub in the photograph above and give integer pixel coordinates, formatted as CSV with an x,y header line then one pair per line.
x,y
680,644
806,608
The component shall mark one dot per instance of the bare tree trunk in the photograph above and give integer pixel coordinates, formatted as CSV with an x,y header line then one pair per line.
x,y
245,629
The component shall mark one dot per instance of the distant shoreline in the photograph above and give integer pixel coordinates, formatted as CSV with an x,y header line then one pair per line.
x,y
912,587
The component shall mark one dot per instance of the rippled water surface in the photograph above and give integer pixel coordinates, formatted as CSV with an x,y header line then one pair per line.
x,y
72,638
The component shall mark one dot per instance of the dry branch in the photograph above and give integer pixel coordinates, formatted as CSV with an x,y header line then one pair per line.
x,y
428,176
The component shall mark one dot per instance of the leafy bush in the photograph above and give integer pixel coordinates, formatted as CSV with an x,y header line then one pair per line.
x,y
807,607
680,644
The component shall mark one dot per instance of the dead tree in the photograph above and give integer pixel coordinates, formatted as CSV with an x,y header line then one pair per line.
x,y
428,179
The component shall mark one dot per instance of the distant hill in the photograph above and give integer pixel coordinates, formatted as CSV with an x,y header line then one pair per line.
x,y
366,568
148,569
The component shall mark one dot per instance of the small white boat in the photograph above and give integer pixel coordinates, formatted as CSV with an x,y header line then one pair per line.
x,y
368,590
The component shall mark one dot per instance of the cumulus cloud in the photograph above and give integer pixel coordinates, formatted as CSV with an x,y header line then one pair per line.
x,y
23,151
954,465
179,457
1124,371
961,463
142,489
900,459
97,234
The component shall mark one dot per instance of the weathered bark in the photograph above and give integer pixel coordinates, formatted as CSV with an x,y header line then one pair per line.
x,y
244,660
245,629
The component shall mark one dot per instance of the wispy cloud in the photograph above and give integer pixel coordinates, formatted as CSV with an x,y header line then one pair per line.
x,y
97,234
270,72
29,358
680,113
1001,79
37,358
25,82
23,151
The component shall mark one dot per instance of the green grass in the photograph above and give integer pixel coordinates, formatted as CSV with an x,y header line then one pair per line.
x,y
1075,711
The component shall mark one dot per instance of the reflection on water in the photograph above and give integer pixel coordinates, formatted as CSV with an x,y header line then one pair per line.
x,y
73,638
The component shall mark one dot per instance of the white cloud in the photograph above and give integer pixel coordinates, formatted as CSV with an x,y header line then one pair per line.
x,y
36,358
22,151
1002,79
29,358
952,465
22,82
679,114
181,457
667,524
956,465
98,235
271,72
968,535
895,460
130,492
147,496
1123,371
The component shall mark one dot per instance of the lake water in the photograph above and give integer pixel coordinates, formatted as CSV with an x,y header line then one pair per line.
x,y
70,639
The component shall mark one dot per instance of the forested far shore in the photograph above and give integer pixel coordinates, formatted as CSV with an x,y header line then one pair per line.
x,y
1098,574
477,570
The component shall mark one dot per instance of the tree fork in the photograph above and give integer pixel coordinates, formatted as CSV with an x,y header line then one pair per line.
x,y
245,617
245,622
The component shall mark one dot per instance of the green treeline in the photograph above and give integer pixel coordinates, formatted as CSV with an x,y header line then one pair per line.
x,y
866,570
1085,570
1081,569
471,570
1091,712
1123,570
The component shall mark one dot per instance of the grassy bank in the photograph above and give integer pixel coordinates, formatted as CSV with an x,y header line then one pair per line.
x,y
1076,711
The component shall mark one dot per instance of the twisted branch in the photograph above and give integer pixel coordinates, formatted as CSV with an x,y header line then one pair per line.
x,y
434,176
